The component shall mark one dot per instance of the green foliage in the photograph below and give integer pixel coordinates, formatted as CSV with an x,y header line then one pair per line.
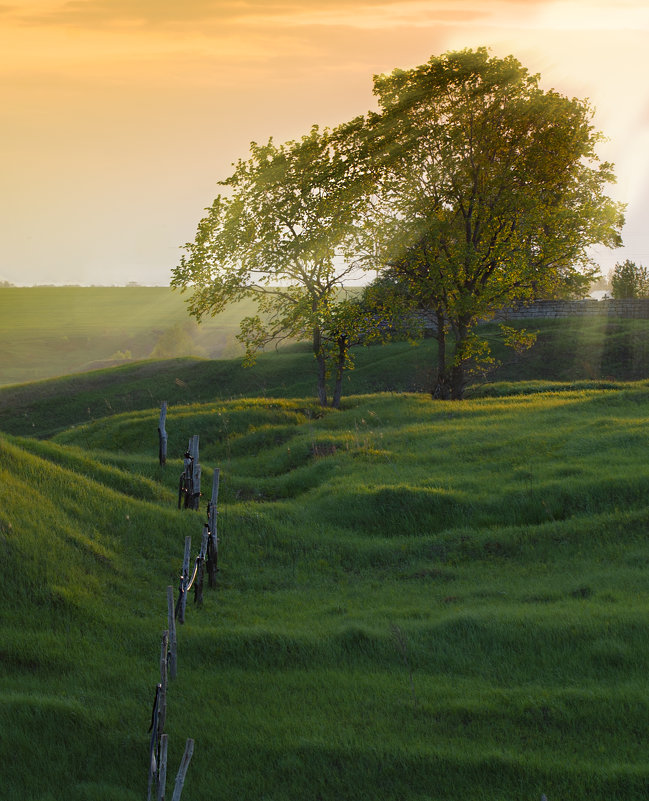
x,y
179,340
471,187
488,191
629,280
276,238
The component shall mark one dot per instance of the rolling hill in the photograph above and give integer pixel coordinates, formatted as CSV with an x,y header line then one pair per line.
x,y
416,600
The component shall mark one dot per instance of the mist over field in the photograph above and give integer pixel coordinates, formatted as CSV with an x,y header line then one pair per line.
x,y
53,331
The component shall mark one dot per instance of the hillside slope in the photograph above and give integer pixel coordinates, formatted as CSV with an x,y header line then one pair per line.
x,y
44,407
53,331
80,622
599,352
415,600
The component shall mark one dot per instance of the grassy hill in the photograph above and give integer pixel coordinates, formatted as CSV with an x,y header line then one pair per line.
x,y
47,332
416,600
53,331
42,408
569,353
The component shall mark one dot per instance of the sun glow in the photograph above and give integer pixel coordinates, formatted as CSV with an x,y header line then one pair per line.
x,y
117,88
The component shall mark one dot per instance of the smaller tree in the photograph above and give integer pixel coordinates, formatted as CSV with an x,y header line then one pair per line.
x,y
377,314
276,237
629,280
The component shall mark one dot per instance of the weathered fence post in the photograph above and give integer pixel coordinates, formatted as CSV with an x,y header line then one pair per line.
x,y
162,703
182,771
159,740
184,583
162,768
198,589
213,540
162,434
172,632
153,745
158,719
196,473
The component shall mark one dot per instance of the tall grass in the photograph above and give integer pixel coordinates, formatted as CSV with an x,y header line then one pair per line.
x,y
504,539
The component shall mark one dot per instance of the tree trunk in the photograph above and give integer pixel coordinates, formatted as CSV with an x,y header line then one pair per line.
x,y
442,387
450,380
340,367
457,373
457,381
322,366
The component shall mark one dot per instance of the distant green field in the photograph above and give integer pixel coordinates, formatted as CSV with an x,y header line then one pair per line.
x,y
53,331
417,601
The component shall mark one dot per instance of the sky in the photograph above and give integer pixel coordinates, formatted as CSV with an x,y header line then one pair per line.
x,y
118,117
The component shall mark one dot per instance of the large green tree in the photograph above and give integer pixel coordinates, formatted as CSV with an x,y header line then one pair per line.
x,y
276,235
487,192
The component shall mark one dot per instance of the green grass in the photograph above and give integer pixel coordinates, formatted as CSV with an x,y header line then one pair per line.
x,y
42,408
416,600
52,331
569,354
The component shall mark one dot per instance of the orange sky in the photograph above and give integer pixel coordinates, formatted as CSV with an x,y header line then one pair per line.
x,y
119,116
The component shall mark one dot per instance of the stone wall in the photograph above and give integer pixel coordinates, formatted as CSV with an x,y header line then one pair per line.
x,y
633,308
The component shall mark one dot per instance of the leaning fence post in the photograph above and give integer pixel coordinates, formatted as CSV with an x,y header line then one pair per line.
x,y
213,540
182,771
162,768
172,632
153,746
162,434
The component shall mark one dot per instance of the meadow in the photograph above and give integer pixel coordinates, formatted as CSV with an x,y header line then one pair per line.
x,y
416,599
50,331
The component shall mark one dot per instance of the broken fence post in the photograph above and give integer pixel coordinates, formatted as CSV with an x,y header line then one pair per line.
x,y
182,771
153,755
172,633
162,434
158,718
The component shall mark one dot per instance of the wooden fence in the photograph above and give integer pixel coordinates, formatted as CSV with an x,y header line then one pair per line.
x,y
192,575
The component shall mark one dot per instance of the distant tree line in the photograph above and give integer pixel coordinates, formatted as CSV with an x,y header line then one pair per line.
x,y
470,189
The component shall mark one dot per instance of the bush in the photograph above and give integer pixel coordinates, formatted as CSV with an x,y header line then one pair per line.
x,y
630,280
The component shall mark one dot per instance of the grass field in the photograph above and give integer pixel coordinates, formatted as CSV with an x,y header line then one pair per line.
x,y
416,600
53,331
47,332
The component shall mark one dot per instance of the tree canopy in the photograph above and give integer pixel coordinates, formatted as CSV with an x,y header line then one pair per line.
x,y
488,192
469,190
276,236
629,280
